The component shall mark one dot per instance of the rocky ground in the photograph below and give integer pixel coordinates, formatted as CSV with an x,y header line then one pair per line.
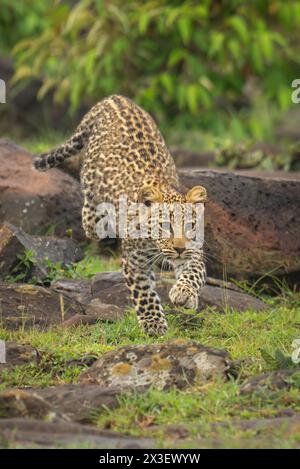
x,y
75,370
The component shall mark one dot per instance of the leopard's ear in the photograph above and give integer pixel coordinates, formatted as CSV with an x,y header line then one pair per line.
x,y
196,194
149,194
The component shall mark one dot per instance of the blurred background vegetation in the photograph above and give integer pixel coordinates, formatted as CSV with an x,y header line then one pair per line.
x,y
215,74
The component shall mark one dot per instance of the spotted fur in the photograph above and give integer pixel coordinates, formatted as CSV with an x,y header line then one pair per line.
x,y
125,155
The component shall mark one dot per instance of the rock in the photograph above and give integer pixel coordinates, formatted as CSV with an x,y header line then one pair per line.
x,y
86,359
175,432
251,222
18,403
97,311
176,363
79,319
79,403
106,297
100,287
268,174
267,382
17,354
70,402
216,282
39,434
110,287
259,425
104,280
14,243
222,299
260,433
37,201
104,312
25,306
77,289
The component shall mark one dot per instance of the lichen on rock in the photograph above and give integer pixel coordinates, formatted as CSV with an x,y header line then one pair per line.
x,y
176,363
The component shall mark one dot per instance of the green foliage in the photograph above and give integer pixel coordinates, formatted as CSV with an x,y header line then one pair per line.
x,y
86,268
21,271
176,57
277,360
21,19
244,155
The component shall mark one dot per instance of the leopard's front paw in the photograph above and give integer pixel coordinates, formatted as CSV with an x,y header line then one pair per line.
x,y
182,294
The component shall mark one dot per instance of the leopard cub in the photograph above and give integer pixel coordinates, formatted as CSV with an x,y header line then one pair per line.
x,y
124,155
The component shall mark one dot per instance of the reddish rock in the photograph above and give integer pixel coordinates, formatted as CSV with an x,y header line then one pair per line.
x,y
37,201
252,222
252,218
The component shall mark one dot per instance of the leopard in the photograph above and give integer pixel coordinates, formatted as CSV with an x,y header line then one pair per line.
x,y
125,155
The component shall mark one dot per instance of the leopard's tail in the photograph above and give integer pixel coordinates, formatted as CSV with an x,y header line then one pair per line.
x,y
71,147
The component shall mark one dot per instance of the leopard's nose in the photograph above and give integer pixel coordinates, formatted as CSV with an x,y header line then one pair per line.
x,y
179,250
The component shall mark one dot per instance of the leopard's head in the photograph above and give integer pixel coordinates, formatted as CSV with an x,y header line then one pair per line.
x,y
175,219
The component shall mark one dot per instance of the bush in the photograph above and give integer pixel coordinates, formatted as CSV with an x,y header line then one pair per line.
x,y
173,57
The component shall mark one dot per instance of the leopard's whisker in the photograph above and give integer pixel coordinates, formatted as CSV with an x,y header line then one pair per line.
x,y
150,261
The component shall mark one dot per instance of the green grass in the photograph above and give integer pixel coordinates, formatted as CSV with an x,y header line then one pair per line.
x,y
244,335
152,413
